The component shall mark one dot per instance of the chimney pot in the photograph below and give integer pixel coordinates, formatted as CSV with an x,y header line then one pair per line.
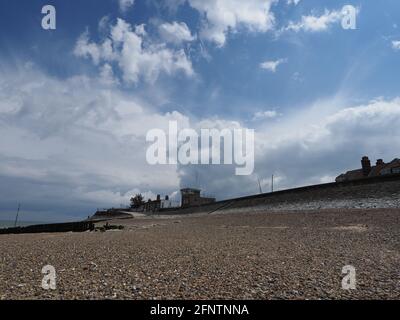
x,y
366,166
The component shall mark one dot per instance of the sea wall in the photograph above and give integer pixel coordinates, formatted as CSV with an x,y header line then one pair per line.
x,y
380,192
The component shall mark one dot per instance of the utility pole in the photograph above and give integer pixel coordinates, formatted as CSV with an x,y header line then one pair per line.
x,y
272,184
16,217
259,185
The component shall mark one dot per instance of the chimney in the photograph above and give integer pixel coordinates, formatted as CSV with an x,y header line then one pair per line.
x,y
166,198
366,166
158,197
380,162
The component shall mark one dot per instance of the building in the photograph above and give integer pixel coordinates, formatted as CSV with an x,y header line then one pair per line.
x,y
368,171
192,197
168,204
159,204
152,205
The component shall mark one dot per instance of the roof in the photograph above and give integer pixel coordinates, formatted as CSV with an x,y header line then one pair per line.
x,y
354,174
375,171
394,164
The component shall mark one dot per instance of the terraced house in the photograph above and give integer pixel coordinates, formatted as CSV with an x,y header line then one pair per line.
x,y
367,171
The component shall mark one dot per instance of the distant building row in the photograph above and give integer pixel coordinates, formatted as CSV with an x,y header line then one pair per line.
x,y
156,205
367,171
190,198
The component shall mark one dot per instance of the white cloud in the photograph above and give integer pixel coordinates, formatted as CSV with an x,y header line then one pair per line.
x,y
311,146
175,32
97,52
224,16
396,45
136,55
262,115
77,144
171,5
313,23
80,144
295,2
272,65
107,76
297,77
125,5
327,142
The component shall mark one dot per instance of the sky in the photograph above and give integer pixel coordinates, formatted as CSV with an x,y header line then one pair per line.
x,y
77,101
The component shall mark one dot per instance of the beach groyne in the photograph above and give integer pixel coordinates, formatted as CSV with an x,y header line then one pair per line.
x,y
80,226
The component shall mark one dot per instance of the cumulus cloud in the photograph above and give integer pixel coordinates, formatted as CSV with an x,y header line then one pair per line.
x,y
295,2
312,146
107,76
396,45
171,5
124,5
135,54
272,65
175,32
311,23
327,144
262,115
223,16
75,145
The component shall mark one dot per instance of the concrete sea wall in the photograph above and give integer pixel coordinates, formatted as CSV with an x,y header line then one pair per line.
x,y
380,192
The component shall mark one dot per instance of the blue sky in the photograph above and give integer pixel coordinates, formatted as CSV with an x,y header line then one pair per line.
x,y
74,114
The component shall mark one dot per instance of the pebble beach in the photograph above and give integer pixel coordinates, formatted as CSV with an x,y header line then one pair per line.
x,y
245,255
